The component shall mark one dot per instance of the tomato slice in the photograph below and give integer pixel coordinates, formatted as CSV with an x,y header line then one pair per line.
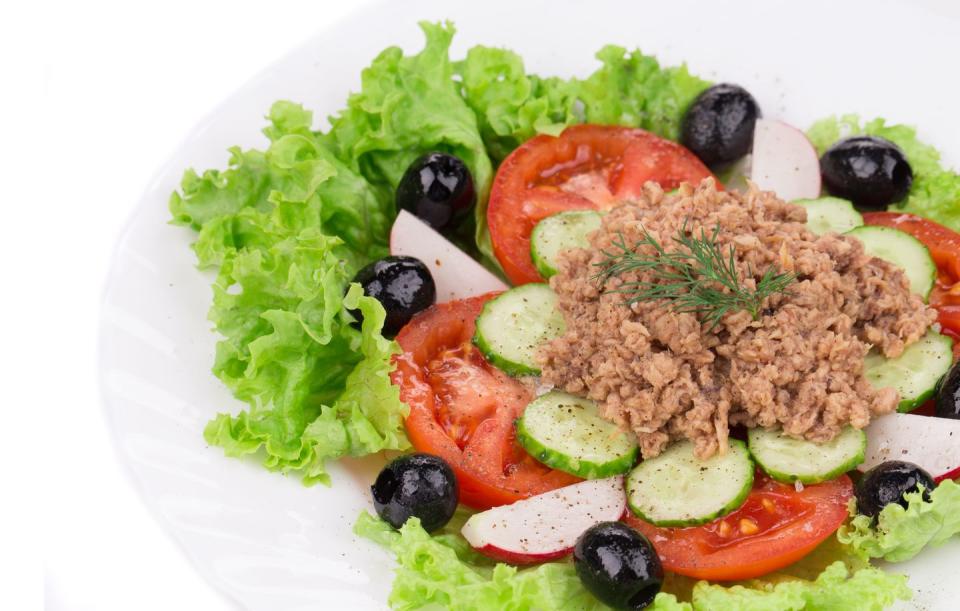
x,y
585,167
775,527
463,409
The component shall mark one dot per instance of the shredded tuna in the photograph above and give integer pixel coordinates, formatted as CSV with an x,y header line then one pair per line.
x,y
799,366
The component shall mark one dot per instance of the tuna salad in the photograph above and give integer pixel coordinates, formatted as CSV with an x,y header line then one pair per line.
x,y
799,365
625,340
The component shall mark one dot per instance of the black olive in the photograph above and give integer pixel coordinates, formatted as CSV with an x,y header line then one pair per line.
x,y
869,171
947,403
438,189
718,126
418,485
618,565
403,285
887,483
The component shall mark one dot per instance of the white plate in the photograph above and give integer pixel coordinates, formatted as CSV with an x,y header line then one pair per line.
x,y
265,540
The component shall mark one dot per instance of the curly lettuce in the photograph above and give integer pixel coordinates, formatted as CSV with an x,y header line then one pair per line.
x,y
935,193
408,106
899,533
868,589
287,228
629,89
443,571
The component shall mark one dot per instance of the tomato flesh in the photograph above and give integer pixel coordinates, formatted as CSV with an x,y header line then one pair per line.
x,y
463,409
586,167
776,526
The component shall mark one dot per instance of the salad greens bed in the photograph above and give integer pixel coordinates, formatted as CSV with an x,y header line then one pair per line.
x,y
287,227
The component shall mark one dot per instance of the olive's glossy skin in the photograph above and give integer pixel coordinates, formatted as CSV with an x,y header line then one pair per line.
x,y
438,189
869,171
718,126
403,285
618,565
417,485
887,483
947,404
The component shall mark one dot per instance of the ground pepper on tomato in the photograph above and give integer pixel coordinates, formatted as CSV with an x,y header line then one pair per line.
x,y
777,525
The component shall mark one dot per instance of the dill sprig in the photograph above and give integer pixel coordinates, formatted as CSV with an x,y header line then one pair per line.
x,y
697,278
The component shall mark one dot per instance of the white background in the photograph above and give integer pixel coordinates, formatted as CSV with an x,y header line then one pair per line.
x,y
96,94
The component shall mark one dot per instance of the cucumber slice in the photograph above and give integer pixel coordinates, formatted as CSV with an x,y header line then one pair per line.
x,y
678,489
567,433
789,460
513,325
560,232
915,373
903,250
830,215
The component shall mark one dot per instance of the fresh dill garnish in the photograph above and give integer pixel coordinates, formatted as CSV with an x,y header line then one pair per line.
x,y
697,278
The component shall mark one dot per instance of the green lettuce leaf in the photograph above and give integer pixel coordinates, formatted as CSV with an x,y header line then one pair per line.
x,y
898,533
868,589
629,89
407,106
512,106
633,89
936,190
442,571
287,228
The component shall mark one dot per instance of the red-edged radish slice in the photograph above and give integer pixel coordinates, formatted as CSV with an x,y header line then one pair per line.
x,y
784,161
546,526
456,275
930,442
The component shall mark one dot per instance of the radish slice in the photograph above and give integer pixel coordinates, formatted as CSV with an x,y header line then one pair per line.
x,y
930,442
784,161
547,526
455,274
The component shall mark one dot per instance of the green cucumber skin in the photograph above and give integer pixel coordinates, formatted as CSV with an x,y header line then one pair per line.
x,y
733,505
581,468
787,478
544,268
908,405
507,366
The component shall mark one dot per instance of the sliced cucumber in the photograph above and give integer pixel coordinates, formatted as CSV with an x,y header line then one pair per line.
x,y
830,215
567,433
513,325
789,460
560,232
904,251
678,489
915,373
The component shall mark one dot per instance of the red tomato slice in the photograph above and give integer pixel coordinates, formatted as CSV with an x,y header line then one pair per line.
x,y
774,528
463,409
586,167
